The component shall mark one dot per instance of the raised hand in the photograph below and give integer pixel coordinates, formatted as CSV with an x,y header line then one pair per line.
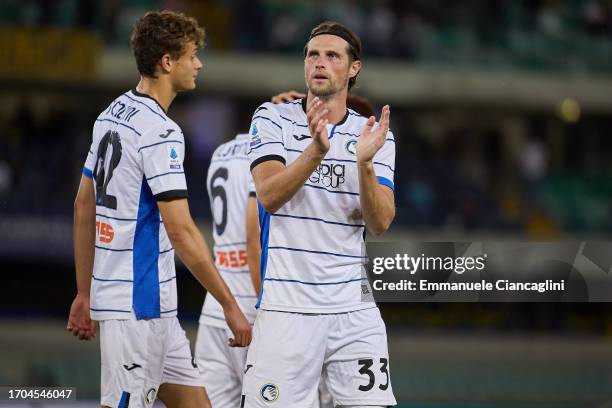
x,y
287,96
317,123
373,138
79,321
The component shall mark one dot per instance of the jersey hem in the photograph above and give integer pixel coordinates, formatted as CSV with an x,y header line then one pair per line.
x,y
314,310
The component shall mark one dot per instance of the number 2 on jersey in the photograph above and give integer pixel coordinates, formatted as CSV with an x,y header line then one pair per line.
x,y
102,174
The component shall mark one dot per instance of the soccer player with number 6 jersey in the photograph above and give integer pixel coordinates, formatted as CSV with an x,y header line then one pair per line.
x,y
237,252
131,216
323,175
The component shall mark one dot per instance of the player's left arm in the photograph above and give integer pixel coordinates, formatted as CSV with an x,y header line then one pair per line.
x,y
375,193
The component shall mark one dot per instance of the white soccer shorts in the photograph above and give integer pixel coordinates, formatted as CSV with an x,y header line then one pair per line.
x,y
138,356
289,350
220,366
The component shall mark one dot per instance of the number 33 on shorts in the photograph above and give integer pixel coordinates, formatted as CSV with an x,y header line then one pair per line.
x,y
365,368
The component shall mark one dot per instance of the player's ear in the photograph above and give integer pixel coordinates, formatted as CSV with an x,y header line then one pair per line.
x,y
354,68
166,63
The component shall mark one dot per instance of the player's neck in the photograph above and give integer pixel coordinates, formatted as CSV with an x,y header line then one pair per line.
x,y
335,103
158,90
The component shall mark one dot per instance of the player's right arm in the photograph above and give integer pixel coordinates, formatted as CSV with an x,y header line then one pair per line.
x,y
192,249
162,163
276,183
79,321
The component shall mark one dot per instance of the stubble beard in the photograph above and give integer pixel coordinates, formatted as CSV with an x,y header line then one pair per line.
x,y
326,90
322,91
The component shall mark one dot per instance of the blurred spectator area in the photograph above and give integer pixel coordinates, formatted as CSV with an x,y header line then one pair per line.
x,y
561,35
566,35
500,109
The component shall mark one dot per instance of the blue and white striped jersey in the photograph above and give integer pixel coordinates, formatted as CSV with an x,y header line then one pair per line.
x,y
229,185
312,247
135,159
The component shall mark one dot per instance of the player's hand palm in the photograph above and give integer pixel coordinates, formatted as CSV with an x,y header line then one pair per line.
x,y
79,320
373,138
317,123
239,326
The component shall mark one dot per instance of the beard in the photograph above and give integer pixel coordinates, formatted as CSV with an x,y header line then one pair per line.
x,y
327,89
323,90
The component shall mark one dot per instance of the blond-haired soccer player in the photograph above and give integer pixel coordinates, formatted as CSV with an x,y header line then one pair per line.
x,y
131,216
323,175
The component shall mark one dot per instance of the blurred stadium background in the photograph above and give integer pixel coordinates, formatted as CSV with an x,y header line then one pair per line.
x,y
502,112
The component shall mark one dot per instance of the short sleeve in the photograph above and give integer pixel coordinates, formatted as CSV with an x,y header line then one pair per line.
x,y
162,151
384,162
266,136
90,161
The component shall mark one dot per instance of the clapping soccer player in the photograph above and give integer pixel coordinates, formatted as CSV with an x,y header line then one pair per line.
x,y
323,175
131,215
237,256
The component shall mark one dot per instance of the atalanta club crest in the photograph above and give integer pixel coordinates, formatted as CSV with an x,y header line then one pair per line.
x,y
269,392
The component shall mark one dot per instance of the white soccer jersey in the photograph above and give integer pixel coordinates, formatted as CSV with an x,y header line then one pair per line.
x,y
135,159
229,183
312,255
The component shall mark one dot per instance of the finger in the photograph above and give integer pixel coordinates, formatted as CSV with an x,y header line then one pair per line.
x,y
384,122
314,110
384,118
297,95
371,121
320,116
320,126
311,104
282,97
276,99
368,126
292,95
231,342
240,339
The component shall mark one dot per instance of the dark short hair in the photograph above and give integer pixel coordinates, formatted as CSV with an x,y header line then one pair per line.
x,y
339,30
160,32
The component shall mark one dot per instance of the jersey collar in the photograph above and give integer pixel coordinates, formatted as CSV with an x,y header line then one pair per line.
x,y
346,115
135,92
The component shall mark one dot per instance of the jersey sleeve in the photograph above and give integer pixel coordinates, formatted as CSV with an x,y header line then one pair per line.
x,y
384,162
90,161
162,151
266,136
